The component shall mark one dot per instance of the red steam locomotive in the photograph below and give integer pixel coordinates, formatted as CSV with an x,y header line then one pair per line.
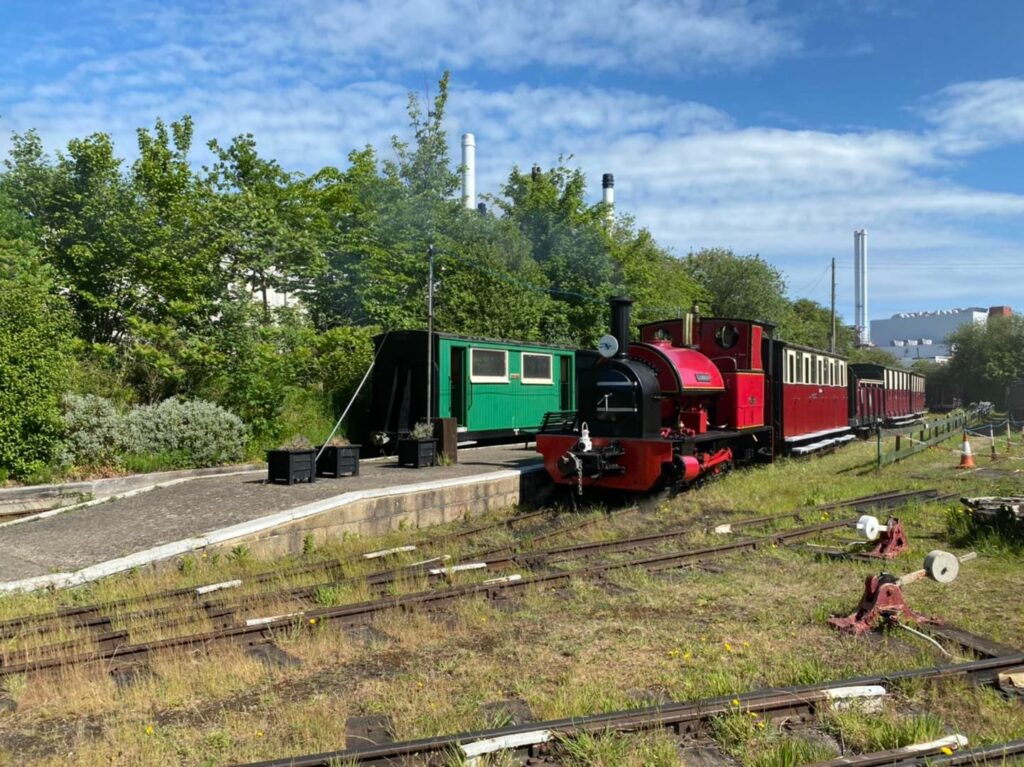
x,y
695,396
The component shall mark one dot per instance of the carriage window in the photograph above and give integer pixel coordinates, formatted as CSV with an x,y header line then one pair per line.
x,y
488,366
807,368
790,374
727,336
831,372
821,370
536,368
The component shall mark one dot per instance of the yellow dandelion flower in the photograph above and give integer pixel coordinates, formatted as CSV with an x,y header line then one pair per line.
x,y
746,643
753,714
312,621
760,725
728,647
149,729
946,750
259,733
673,653
735,701
687,656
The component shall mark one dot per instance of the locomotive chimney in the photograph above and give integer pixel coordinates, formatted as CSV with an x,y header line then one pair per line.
x,y
620,323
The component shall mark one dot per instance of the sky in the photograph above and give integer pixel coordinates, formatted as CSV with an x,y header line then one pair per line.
x,y
775,128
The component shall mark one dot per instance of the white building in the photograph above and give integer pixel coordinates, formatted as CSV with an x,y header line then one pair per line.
x,y
912,336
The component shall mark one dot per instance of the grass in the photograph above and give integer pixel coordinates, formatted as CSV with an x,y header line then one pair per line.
x,y
591,647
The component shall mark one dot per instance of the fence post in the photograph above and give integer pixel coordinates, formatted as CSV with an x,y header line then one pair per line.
x,y
878,442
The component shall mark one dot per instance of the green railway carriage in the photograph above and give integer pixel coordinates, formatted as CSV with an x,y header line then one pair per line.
x,y
492,388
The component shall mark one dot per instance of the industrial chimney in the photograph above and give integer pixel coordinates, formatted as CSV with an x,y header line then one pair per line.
x,y
860,286
469,171
608,196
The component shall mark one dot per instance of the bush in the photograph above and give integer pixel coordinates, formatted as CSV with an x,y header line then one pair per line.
x,y
34,357
175,433
92,431
204,432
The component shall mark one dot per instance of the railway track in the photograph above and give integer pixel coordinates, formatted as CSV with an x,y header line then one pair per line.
x,y
788,704
114,648
100,614
997,753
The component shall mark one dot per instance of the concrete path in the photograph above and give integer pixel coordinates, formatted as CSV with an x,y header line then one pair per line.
x,y
87,536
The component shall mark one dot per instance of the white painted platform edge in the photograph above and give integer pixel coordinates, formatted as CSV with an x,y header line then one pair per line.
x,y
176,548
125,494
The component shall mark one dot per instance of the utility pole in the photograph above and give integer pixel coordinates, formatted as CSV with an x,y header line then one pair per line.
x,y
832,335
430,329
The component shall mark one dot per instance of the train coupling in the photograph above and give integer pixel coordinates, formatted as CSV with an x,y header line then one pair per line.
x,y
593,463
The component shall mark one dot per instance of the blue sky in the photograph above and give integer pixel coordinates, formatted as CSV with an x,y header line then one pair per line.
x,y
769,127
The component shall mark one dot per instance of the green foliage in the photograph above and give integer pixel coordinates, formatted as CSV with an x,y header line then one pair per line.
x,y
872,354
739,286
203,433
810,323
35,346
987,358
93,428
173,434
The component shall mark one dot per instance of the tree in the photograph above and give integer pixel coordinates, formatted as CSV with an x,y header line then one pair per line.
x,y
987,358
810,323
568,242
739,286
34,359
872,355
263,216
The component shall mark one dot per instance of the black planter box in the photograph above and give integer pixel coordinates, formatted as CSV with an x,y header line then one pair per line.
x,y
417,452
337,460
290,466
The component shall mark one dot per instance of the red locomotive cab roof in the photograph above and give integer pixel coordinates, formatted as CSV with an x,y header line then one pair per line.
x,y
679,369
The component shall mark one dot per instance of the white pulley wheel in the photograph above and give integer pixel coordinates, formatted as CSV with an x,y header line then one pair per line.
x,y
869,527
941,566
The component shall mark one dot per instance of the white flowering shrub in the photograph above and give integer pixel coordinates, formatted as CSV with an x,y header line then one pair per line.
x,y
92,430
203,433
191,433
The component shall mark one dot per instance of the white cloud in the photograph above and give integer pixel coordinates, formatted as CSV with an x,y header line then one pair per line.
x,y
977,115
313,81
428,35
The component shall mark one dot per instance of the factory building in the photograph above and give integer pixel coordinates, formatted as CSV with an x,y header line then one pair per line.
x,y
912,336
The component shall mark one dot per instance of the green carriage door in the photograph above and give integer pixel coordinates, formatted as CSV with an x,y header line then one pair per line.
x,y
487,405
457,384
564,384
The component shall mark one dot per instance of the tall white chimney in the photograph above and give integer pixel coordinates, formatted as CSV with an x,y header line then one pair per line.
x,y
469,171
860,286
608,196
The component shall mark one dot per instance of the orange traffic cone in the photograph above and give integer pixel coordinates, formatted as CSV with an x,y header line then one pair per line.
x,y
966,456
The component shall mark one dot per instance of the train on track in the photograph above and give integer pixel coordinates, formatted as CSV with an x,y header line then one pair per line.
x,y
695,396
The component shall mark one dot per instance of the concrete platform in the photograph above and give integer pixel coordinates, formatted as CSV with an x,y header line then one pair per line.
x,y
82,544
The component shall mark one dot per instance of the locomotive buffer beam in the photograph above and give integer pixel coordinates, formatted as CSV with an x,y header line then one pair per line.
x,y
594,463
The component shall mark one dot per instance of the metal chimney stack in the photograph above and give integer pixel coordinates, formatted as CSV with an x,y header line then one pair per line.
x,y
469,171
860,286
608,196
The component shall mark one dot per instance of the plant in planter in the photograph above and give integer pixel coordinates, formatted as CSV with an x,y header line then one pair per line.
x,y
292,462
419,448
337,458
